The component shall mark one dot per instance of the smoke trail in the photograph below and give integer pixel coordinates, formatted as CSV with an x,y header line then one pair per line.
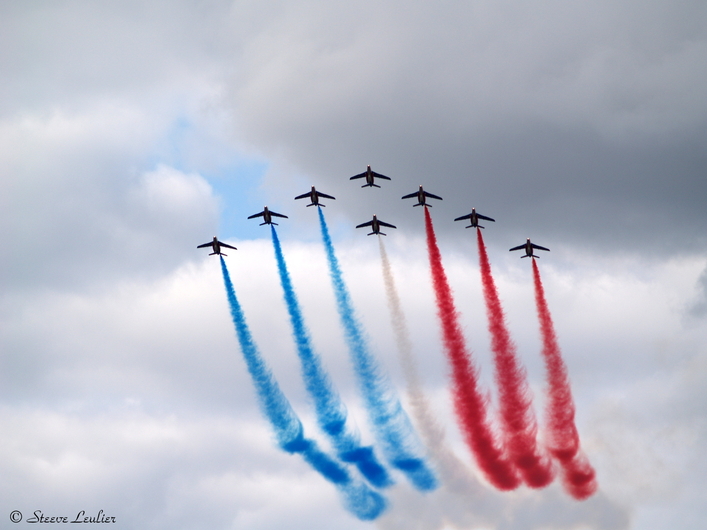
x,y
578,477
470,406
402,338
517,416
456,476
431,431
331,412
363,502
390,422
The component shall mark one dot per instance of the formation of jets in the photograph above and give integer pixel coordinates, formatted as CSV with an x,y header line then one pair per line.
x,y
421,195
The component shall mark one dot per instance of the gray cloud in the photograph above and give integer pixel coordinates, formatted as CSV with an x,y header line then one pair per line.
x,y
698,307
585,121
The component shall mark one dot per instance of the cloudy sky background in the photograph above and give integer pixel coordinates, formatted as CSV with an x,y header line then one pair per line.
x,y
130,132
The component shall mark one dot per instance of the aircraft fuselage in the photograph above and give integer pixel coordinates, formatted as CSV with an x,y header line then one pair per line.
x,y
421,196
370,177
216,247
375,225
313,195
528,247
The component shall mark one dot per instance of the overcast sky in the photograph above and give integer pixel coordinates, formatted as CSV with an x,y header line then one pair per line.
x,y
131,132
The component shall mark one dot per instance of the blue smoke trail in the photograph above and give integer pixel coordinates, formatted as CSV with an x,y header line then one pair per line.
x,y
390,422
363,502
331,412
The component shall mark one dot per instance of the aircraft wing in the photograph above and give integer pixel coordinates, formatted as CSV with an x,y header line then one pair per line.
x,y
386,224
519,247
428,194
261,214
359,176
414,194
210,243
485,218
466,217
319,193
305,195
278,214
369,223
379,176
539,247
227,246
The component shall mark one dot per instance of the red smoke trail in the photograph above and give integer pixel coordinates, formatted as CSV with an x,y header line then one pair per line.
x,y
469,405
517,416
578,475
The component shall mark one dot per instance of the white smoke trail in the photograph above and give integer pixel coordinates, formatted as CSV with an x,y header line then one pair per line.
x,y
456,476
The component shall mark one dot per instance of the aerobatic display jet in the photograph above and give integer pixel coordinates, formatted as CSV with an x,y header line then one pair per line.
x,y
421,195
528,247
375,225
370,175
267,216
314,197
474,219
216,246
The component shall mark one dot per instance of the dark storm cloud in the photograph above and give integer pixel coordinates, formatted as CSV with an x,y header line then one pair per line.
x,y
570,122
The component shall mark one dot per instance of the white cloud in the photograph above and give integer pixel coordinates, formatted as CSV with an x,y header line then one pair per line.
x,y
73,190
144,384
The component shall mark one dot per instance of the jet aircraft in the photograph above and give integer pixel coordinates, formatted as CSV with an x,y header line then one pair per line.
x,y
314,197
375,225
267,216
421,195
528,247
216,246
370,175
474,219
